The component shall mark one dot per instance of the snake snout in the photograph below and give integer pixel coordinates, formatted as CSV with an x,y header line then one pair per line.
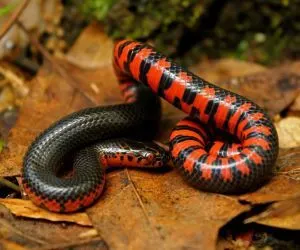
x,y
161,157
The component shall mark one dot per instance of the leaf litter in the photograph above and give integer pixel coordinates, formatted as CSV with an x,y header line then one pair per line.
x,y
138,209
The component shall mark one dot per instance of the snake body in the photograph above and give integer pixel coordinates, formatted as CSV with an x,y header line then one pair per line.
x,y
205,161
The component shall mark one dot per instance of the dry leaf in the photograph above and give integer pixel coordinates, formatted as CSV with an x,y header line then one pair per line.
x,y
159,211
220,70
58,91
138,209
288,163
41,234
274,89
54,94
289,132
284,214
295,107
295,67
8,245
26,208
91,55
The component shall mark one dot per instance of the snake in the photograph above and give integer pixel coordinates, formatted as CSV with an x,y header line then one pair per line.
x,y
95,139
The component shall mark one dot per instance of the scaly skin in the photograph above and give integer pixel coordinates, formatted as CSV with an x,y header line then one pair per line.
x,y
208,165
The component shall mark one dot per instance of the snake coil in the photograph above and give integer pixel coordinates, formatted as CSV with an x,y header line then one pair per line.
x,y
204,161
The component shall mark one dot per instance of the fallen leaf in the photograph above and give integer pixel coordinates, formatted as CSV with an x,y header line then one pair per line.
x,y
159,210
283,214
219,70
278,188
288,163
291,66
26,208
289,132
7,245
63,88
42,234
285,184
157,205
281,84
56,92
274,89
91,55
138,209
295,107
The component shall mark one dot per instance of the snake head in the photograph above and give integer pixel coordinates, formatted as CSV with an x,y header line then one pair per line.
x,y
156,154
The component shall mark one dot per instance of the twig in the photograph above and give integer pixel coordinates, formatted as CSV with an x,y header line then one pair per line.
x,y
9,184
13,18
17,82
293,173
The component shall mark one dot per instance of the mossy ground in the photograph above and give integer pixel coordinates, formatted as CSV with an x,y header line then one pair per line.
x,y
256,30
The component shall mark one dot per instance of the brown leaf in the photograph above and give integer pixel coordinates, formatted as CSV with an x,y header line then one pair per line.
x,y
284,214
138,209
289,132
40,234
133,206
295,107
220,70
7,245
288,163
159,210
26,208
273,89
91,55
56,92
291,66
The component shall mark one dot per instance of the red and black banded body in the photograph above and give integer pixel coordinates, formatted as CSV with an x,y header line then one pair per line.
x,y
100,131
243,166
204,160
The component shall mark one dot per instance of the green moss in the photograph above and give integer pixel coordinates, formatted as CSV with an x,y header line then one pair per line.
x,y
161,22
97,8
258,30
261,31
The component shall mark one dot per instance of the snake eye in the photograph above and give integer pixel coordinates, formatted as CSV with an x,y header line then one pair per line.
x,y
150,157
